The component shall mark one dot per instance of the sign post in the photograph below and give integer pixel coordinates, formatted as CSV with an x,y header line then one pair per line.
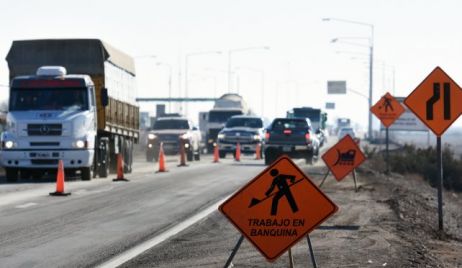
x,y
277,209
436,102
343,158
387,110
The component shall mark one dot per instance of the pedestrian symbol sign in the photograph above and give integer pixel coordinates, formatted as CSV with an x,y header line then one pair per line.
x,y
343,157
278,208
436,101
387,109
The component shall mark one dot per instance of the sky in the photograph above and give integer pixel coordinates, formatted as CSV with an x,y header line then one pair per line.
x,y
411,38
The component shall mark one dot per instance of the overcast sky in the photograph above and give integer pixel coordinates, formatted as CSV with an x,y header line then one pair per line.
x,y
411,37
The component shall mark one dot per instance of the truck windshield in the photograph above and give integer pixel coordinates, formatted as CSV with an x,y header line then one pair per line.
x,y
222,116
22,99
171,124
245,122
281,124
312,114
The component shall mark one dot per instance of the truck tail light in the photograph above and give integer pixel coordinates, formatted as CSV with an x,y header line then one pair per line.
x,y
267,136
307,137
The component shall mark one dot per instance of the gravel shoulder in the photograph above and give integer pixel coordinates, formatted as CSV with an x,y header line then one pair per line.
x,y
395,218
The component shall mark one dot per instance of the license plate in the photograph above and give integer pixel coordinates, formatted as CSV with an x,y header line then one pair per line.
x,y
40,155
287,148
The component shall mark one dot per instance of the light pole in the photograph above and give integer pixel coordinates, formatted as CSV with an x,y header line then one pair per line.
x,y
186,82
231,51
169,83
371,63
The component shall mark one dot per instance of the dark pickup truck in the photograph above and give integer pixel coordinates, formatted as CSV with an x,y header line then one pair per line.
x,y
293,137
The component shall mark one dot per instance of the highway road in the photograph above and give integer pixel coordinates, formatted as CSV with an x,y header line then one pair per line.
x,y
103,218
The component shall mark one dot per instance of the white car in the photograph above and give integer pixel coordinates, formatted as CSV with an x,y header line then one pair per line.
x,y
346,131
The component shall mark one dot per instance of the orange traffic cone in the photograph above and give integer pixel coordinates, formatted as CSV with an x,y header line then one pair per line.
x,y
216,156
182,154
258,152
120,168
237,156
161,159
60,181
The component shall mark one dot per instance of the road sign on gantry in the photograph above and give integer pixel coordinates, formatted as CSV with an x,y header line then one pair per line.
x,y
343,157
278,208
387,109
436,101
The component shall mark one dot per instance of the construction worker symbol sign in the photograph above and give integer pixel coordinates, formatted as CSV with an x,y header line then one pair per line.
x,y
387,109
277,208
343,157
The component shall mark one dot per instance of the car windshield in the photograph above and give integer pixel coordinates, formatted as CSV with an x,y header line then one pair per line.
x,y
245,122
280,124
222,116
48,99
171,124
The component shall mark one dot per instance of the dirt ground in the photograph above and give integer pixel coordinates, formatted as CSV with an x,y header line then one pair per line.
x,y
390,222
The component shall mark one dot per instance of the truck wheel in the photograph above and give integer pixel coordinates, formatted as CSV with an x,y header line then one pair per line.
x,y
11,174
190,156
269,158
309,158
85,173
197,156
103,170
222,154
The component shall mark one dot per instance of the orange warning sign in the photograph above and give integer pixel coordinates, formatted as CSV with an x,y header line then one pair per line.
x,y
343,157
387,109
436,101
278,208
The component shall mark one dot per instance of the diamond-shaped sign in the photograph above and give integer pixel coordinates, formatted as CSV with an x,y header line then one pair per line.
x,y
387,109
278,208
343,157
436,101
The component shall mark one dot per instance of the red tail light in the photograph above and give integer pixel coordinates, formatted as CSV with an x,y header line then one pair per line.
x,y
307,137
267,136
287,131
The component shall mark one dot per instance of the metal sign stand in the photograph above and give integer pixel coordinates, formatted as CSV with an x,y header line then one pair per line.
x,y
233,253
291,259
324,179
354,179
387,152
313,259
440,182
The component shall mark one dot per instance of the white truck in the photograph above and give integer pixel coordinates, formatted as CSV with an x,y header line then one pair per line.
x,y
84,119
224,108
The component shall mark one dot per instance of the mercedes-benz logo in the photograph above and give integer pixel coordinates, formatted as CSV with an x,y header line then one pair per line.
x,y
44,129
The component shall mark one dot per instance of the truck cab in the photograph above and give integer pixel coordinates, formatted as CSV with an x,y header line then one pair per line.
x,y
52,117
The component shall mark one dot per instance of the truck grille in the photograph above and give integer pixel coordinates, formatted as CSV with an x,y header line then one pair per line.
x,y
44,129
44,161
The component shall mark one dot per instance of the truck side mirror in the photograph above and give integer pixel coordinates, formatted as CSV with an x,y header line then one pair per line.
x,y
104,97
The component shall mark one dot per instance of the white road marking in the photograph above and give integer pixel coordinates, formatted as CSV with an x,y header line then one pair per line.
x,y
137,250
27,205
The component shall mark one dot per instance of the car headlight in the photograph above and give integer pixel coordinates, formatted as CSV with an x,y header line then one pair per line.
x,y
80,144
256,137
185,136
151,136
221,136
8,144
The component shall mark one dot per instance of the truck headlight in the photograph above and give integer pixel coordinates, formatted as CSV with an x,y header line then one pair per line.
x,y
80,144
151,136
256,137
8,144
185,136
221,136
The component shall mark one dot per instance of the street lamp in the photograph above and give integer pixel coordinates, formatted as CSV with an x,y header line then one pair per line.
x,y
371,62
186,82
231,51
169,83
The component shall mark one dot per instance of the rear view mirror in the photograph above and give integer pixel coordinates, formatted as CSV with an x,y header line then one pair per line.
x,y
104,97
